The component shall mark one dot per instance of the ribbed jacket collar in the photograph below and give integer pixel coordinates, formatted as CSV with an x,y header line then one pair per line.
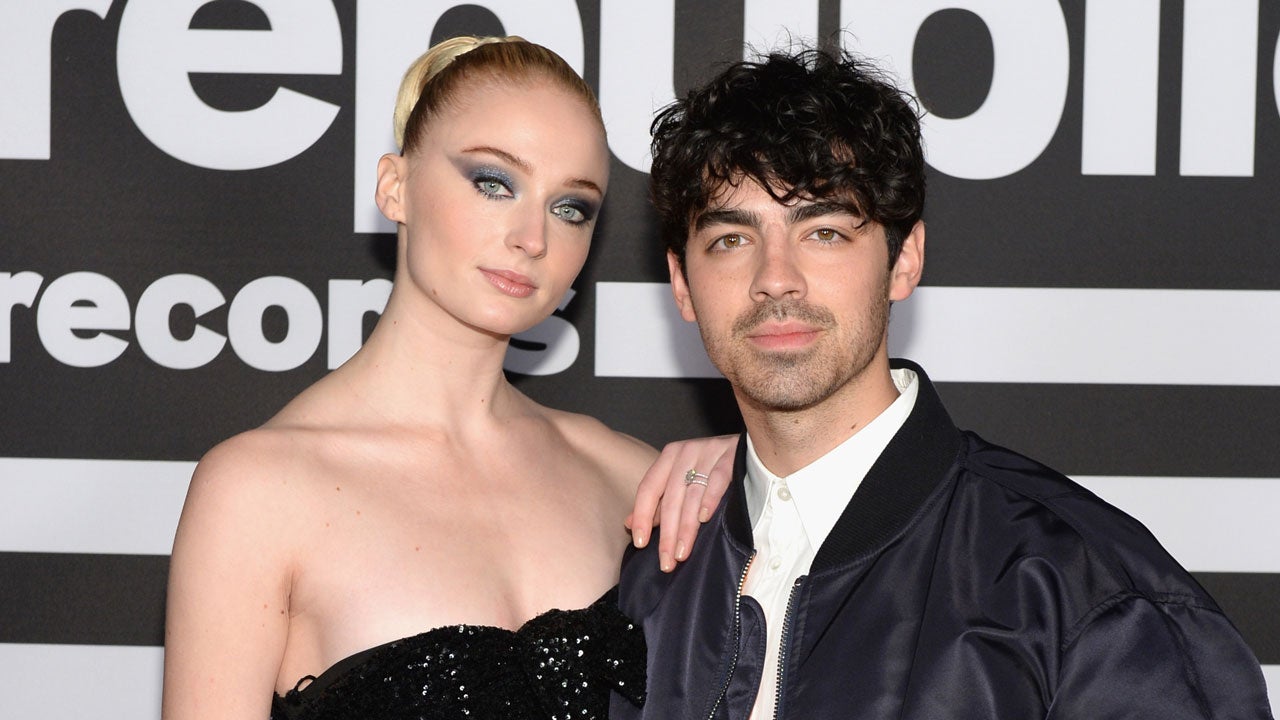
x,y
917,458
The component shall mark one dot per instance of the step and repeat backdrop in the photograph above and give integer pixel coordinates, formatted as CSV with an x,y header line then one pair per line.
x,y
188,239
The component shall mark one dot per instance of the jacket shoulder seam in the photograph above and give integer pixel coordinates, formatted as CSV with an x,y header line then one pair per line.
x,y
1158,601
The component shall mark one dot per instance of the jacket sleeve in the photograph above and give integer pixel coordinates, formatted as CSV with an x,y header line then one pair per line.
x,y
1168,657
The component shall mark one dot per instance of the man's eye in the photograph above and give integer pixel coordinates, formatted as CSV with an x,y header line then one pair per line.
x,y
728,242
826,235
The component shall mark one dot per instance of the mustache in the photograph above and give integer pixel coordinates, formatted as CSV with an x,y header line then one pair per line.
x,y
780,310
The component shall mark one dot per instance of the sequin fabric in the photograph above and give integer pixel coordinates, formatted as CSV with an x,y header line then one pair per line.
x,y
560,665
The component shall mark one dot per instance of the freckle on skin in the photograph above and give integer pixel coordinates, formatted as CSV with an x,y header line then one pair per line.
x,y
338,488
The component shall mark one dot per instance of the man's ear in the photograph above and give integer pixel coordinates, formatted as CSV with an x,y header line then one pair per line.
x,y
680,288
905,274
389,192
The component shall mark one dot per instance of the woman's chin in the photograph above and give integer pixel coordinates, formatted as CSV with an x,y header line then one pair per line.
x,y
506,324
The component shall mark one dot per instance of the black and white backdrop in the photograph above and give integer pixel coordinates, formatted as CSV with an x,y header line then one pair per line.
x,y
187,239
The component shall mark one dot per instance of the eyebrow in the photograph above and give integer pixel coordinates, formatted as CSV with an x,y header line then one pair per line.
x,y
808,211
585,184
514,160
582,183
726,216
798,213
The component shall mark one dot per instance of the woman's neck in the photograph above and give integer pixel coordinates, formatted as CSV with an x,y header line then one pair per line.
x,y
422,366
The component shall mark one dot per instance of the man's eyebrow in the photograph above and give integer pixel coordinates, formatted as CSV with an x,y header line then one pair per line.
x,y
808,211
727,216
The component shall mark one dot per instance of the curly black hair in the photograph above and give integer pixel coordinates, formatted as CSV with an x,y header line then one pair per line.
x,y
816,125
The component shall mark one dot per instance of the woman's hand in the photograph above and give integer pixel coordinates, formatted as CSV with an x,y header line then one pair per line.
x,y
666,498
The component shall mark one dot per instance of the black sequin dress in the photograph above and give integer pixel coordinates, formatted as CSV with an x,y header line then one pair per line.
x,y
562,665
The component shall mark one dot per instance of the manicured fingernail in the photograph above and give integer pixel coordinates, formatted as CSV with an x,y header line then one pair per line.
x,y
639,538
680,551
665,563
704,514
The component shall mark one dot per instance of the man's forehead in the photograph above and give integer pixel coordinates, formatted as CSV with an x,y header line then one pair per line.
x,y
735,190
744,192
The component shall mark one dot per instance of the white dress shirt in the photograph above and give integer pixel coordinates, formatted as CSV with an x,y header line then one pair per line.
x,y
792,516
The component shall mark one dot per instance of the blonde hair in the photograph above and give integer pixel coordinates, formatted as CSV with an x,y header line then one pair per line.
x,y
433,80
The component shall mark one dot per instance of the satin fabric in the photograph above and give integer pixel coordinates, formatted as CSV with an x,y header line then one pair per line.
x,y
962,581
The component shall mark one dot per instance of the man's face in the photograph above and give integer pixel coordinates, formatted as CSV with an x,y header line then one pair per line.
x,y
792,300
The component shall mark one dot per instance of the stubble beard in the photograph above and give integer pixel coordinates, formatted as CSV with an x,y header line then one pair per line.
x,y
797,380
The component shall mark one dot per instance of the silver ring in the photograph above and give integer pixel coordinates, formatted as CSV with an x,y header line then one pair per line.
x,y
693,477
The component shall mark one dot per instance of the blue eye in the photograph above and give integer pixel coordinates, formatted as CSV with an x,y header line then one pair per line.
x,y
574,212
492,184
568,213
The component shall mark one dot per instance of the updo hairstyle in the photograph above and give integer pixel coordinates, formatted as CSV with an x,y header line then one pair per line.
x,y
437,78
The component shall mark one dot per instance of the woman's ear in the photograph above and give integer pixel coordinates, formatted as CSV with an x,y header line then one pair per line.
x,y
389,192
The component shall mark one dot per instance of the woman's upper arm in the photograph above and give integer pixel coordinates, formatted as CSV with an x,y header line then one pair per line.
x,y
227,615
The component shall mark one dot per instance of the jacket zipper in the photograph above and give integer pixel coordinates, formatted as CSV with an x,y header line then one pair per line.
x,y
737,635
784,641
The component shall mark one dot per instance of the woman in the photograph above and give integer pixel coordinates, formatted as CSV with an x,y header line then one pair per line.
x,y
414,489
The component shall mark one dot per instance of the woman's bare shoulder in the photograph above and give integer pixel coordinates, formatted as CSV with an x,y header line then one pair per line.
x,y
294,445
624,457
249,474
275,464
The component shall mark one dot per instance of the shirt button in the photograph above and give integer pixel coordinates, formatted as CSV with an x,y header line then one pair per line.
x,y
784,493
775,563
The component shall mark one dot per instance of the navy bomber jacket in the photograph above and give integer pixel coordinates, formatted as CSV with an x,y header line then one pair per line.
x,y
962,581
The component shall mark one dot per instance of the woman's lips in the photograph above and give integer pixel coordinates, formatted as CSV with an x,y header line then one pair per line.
x,y
510,282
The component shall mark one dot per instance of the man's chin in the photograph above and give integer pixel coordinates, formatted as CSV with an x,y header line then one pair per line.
x,y
784,394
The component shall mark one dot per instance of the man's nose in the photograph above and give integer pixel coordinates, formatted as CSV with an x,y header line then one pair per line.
x,y
777,275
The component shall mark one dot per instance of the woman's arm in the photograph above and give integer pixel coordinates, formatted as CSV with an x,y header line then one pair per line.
x,y
227,614
665,497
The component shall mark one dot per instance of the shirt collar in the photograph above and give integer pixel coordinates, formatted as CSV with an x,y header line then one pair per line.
x,y
822,489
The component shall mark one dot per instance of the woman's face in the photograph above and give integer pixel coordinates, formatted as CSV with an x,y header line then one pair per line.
x,y
498,203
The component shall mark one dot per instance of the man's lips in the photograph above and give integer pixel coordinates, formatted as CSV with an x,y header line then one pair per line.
x,y
510,282
783,336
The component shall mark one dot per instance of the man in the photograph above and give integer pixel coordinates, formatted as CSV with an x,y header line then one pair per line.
x,y
870,560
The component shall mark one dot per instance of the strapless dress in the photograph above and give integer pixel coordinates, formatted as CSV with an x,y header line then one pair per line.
x,y
561,664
